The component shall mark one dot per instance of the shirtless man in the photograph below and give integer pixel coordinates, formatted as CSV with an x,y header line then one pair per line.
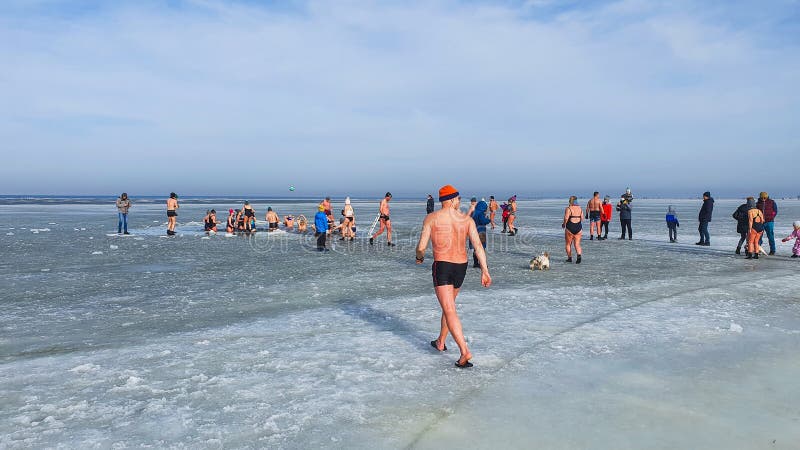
x,y
448,230
272,219
593,210
386,223
172,213
493,206
288,222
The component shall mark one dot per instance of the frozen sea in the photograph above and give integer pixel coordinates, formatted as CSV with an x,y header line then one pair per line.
x,y
260,342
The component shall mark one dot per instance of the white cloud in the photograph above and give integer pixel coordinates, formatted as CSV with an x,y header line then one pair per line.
x,y
390,88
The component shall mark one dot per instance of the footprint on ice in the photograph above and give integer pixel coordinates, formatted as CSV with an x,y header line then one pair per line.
x,y
736,328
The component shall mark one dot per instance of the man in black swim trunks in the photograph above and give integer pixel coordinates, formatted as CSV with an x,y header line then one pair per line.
x,y
385,222
593,210
448,230
172,213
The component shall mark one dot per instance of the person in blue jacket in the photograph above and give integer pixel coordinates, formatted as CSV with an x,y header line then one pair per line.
x,y
481,220
672,224
321,225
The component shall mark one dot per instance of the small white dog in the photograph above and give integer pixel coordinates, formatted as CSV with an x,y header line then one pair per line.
x,y
541,262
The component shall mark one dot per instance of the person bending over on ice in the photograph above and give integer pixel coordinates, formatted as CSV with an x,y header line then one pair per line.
x,y
447,230
796,236
479,216
386,223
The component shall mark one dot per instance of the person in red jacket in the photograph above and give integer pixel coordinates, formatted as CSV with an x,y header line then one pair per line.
x,y
768,207
605,216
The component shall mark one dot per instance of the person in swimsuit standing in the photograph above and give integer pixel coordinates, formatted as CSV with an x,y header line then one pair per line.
x,y
512,215
447,230
230,226
572,229
492,209
385,221
172,213
349,228
249,216
593,212
272,219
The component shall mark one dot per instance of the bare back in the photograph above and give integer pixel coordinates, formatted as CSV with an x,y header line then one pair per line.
x,y
172,204
595,204
449,230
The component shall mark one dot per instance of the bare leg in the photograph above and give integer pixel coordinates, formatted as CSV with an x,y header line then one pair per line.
x,y
388,231
568,243
380,230
447,300
577,241
440,341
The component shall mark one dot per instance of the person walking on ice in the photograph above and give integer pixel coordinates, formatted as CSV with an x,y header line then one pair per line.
x,y
448,230
385,221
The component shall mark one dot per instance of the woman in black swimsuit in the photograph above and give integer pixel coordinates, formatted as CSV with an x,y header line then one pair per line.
x,y
572,228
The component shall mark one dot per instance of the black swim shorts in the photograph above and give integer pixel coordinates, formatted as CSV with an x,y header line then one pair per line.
x,y
384,217
445,273
171,213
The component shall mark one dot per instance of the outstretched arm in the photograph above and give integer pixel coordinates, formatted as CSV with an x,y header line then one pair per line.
x,y
424,237
475,239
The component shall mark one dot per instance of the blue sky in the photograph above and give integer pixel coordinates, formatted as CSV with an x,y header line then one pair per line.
x,y
357,97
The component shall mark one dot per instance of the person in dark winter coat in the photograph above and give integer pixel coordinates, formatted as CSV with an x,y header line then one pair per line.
x,y
624,208
704,218
742,225
429,207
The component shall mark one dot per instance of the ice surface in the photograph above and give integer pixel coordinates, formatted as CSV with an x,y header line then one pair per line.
x,y
260,342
